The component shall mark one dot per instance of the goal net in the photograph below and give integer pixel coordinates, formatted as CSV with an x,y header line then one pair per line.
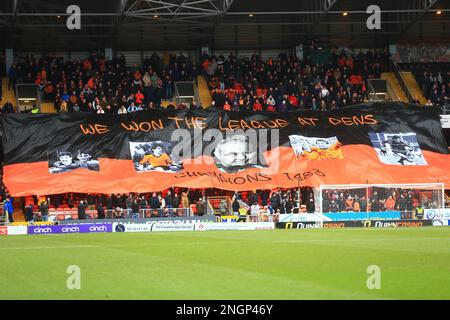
x,y
380,201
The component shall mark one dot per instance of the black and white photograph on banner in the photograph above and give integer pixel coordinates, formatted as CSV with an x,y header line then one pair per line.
x,y
65,161
398,148
236,153
314,148
154,156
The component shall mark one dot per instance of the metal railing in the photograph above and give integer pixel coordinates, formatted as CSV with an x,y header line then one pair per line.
x,y
401,80
27,95
179,97
165,212
445,108
197,94
262,218
118,213
217,199
66,214
373,96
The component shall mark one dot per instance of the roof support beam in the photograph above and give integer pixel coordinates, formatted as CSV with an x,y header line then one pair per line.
x,y
121,5
227,5
424,6
326,6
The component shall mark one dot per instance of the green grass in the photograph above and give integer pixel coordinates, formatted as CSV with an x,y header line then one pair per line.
x,y
275,264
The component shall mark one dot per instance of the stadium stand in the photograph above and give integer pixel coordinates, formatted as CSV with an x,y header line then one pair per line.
x,y
434,81
258,81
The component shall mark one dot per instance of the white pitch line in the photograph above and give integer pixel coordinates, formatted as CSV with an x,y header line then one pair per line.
x,y
102,246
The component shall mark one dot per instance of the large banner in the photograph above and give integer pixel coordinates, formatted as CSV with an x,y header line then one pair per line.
x,y
153,150
75,228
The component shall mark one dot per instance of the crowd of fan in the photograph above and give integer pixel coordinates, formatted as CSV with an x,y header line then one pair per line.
x,y
245,83
434,80
237,83
288,83
378,200
103,86
171,202
99,85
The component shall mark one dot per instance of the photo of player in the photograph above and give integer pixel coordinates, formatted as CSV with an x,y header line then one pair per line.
x,y
233,154
66,161
154,156
85,160
398,148
313,148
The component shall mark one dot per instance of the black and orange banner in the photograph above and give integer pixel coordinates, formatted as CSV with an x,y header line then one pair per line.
x,y
383,143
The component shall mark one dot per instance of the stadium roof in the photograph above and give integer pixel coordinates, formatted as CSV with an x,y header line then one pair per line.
x,y
219,24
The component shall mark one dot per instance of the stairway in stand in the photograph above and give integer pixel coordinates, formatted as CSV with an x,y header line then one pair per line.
x,y
413,86
8,95
395,85
203,91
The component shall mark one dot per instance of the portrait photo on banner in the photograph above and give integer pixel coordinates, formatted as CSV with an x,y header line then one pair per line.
x,y
64,161
236,153
154,156
398,148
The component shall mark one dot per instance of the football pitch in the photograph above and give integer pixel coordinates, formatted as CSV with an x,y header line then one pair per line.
x,y
414,263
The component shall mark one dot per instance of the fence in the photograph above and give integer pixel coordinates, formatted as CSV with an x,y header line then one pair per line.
x,y
373,94
401,81
186,92
118,213
262,218
213,206
67,214
165,212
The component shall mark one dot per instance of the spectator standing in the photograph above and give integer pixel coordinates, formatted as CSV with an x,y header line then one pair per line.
x,y
43,209
235,206
389,204
12,75
176,200
8,207
100,211
254,211
82,210
135,206
223,207
200,207
275,201
184,200
154,201
29,212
